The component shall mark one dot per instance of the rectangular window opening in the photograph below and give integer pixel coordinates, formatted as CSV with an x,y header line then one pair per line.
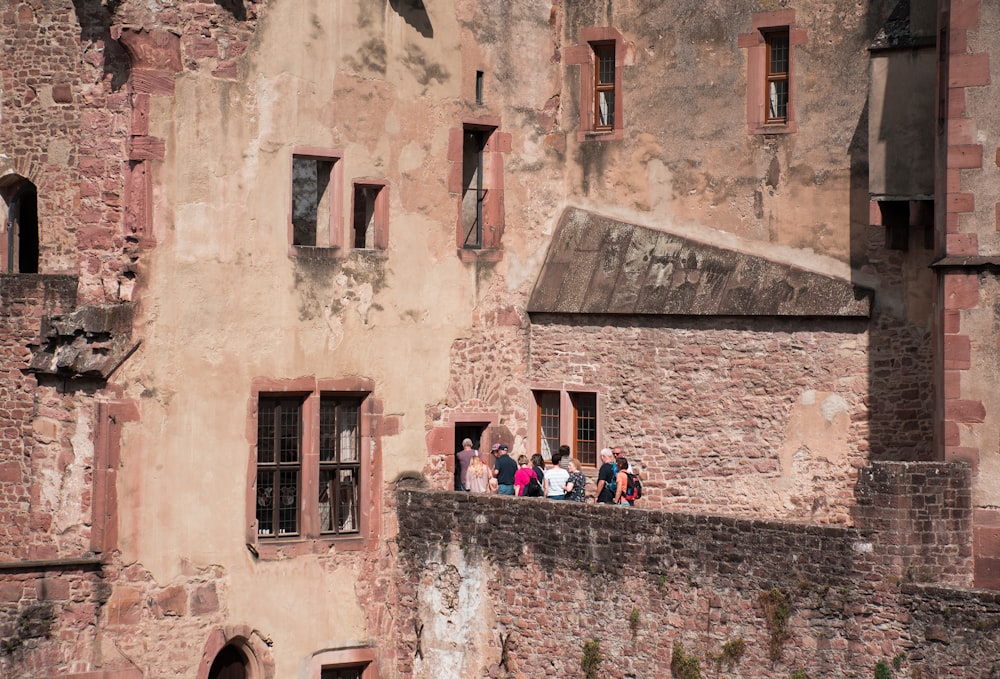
x,y
479,87
604,86
776,77
474,189
356,672
363,231
585,427
279,465
311,200
547,436
339,464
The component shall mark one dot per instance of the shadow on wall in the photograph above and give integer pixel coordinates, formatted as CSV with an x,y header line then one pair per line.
x,y
96,18
415,14
901,356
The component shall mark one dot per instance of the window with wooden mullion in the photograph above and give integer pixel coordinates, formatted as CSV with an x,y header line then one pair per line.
x,y
776,80
604,86
585,427
547,436
339,465
279,466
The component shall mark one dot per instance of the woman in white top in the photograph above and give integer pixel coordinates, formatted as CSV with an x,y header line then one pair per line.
x,y
554,485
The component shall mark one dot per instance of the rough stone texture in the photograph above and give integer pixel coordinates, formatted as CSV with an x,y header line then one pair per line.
x,y
597,265
90,341
694,579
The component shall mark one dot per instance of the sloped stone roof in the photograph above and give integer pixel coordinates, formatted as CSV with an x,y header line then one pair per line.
x,y
597,265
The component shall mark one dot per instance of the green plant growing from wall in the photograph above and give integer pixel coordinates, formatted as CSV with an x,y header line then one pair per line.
x,y
776,611
33,622
798,674
882,670
897,661
682,665
633,622
732,652
592,658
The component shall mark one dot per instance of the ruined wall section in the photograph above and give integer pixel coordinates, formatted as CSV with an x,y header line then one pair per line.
x,y
757,417
541,579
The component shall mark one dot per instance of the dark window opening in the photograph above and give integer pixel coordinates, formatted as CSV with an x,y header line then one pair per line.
x,y
776,77
468,430
604,86
901,217
339,465
473,187
279,465
310,200
22,229
363,229
356,672
230,663
479,87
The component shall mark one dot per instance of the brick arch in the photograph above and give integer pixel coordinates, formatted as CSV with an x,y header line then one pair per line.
x,y
243,637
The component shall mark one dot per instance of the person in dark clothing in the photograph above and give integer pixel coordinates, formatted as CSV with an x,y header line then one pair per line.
x,y
606,481
504,469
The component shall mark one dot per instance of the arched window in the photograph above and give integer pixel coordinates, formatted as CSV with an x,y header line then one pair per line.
x,y
230,663
19,244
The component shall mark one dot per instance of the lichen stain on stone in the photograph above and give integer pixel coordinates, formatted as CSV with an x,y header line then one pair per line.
x,y
370,58
819,423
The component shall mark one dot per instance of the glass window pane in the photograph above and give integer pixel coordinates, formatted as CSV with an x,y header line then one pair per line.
x,y
265,431
349,435
288,498
548,423
585,409
606,109
265,502
606,65
778,99
289,418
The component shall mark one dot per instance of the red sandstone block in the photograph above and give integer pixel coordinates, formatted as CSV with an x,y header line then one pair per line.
x,y
54,589
987,573
152,82
969,70
962,131
951,223
961,291
124,607
957,352
10,472
875,213
10,591
962,244
204,600
958,40
952,436
964,13
965,156
961,410
202,48
62,94
952,384
961,202
996,219
455,141
956,102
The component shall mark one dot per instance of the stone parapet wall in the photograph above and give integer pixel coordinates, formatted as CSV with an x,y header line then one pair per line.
x,y
513,587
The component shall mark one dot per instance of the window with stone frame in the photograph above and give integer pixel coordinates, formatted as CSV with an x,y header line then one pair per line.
x,y
604,86
312,454
370,219
600,54
315,217
571,417
770,49
349,663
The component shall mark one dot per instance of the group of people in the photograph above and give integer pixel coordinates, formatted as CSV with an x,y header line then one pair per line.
x,y
617,480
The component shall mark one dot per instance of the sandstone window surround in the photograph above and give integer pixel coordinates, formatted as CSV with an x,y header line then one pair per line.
x,y
312,464
370,210
316,199
476,179
566,415
770,49
346,663
601,56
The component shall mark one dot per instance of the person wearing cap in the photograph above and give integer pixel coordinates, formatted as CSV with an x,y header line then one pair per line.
x,y
464,457
504,469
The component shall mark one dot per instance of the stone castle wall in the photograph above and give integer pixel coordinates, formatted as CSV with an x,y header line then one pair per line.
x,y
539,579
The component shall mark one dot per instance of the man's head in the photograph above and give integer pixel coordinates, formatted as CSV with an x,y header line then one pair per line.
x,y
467,443
607,455
616,451
502,450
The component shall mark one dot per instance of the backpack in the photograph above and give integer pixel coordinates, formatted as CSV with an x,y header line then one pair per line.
x,y
533,487
633,491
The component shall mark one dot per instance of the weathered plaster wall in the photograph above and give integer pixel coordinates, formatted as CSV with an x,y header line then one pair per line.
x,y
544,578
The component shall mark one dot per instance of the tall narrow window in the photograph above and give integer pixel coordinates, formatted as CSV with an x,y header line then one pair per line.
x,y
585,427
311,197
604,86
479,87
339,464
776,79
21,240
369,225
547,436
473,186
279,465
